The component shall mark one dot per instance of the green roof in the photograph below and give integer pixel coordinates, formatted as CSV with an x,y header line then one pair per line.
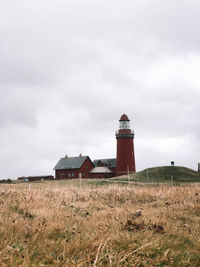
x,y
70,163
111,163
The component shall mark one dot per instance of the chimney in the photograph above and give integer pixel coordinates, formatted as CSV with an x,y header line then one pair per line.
x,y
80,155
66,157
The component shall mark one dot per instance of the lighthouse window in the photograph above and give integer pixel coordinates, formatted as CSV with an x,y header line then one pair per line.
x,y
124,125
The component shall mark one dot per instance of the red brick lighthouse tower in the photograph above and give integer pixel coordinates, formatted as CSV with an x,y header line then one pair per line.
x,y
125,147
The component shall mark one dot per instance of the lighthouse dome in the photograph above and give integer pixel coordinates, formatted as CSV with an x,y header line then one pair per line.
x,y
124,117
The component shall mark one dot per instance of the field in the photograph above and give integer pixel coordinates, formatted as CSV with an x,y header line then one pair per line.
x,y
60,224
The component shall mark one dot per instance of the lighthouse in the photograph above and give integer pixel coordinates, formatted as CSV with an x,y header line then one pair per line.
x,y
125,147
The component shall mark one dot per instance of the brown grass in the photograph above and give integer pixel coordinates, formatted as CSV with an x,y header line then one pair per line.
x,y
54,225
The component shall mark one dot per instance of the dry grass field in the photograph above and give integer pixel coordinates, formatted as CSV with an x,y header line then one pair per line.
x,y
60,224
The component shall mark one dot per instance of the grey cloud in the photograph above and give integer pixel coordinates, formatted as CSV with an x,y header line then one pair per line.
x,y
54,38
17,107
68,69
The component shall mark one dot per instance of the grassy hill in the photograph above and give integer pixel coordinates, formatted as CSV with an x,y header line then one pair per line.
x,y
152,175
164,174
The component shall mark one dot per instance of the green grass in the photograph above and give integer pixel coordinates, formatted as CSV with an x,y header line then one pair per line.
x,y
164,175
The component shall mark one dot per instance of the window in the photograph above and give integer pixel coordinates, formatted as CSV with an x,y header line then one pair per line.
x,y
83,174
72,174
66,175
124,125
69,174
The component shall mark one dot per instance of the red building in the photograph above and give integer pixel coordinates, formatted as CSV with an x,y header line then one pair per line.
x,y
35,178
71,167
109,163
101,172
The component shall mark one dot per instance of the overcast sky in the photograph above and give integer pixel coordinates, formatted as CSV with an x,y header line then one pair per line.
x,y
70,68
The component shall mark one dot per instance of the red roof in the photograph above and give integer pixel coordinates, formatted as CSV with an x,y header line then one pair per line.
x,y
124,117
